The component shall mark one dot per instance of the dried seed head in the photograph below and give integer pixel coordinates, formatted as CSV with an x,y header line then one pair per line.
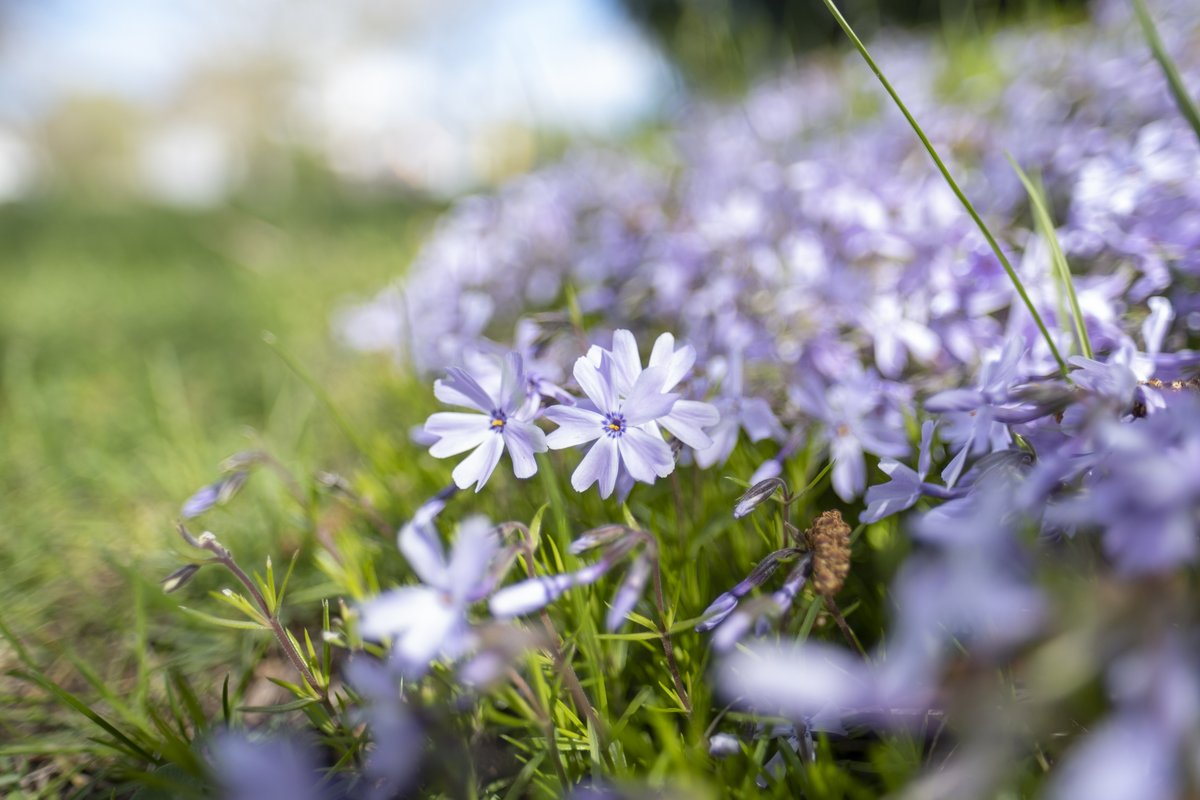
x,y
829,538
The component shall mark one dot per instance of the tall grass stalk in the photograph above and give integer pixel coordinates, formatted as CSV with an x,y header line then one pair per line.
x,y
1182,99
1041,215
953,184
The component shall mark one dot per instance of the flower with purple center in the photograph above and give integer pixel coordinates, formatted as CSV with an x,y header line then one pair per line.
x,y
622,428
687,419
503,424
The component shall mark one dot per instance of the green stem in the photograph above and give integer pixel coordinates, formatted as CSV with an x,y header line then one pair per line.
x,y
962,198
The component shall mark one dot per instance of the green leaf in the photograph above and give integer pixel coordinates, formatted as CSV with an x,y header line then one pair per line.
x,y
236,624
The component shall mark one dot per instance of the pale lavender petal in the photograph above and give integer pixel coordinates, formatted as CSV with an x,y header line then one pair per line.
x,y
1154,329
459,385
440,632
523,439
457,432
849,468
953,470
596,382
393,612
598,465
645,455
420,545
627,362
955,400
646,401
576,426
512,383
474,546
528,595
687,421
924,456
478,467
771,468
724,439
797,680
759,420
894,496
1130,755
677,362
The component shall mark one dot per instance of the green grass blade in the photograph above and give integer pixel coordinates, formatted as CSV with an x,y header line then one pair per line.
x,y
1041,214
1186,106
70,700
953,184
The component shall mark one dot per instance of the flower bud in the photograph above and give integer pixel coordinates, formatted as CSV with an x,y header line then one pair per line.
x,y
180,577
756,495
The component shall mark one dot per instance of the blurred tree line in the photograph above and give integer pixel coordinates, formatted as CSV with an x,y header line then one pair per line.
x,y
721,44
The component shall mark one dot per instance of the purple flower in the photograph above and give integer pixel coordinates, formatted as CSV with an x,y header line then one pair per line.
x,y
737,412
621,427
261,768
687,418
858,416
397,740
618,542
905,486
430,620
798,680
978,416
500,425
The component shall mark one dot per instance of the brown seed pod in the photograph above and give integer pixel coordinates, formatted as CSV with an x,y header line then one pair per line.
x,y
829,540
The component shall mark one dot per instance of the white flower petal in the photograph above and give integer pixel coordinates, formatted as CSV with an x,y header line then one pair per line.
x,y
523,439
474,547
627,362
599,465
420,545
478,467
394,612
596,382
645,456
576,426
457,432
687,420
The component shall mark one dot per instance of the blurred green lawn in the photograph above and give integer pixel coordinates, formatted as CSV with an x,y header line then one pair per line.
x,y
131,363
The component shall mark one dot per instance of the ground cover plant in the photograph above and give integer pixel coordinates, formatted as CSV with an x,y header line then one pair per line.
x,y
846,444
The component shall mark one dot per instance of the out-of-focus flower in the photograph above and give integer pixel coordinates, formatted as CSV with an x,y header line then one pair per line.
x,y
798,681
738,412
858,416
397,741
262,768
430,620
215,494
619,543
498,426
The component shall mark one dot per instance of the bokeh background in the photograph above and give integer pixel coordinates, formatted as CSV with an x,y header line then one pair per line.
x,y
178,178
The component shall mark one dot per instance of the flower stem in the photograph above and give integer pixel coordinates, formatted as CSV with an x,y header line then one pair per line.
x,y
225,558
665,635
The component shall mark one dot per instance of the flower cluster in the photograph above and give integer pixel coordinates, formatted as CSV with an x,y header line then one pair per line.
x,y
834,304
